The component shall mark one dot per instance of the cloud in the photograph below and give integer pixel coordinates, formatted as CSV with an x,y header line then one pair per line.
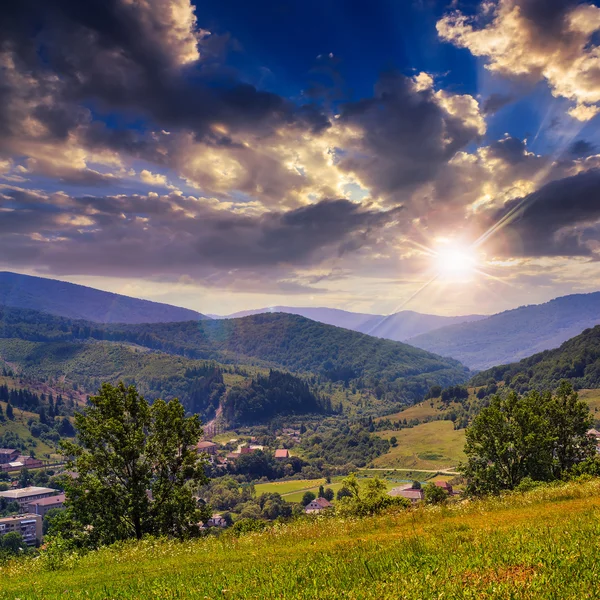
x,y
494,102
551,40
173,235
153,179
401,137
562,218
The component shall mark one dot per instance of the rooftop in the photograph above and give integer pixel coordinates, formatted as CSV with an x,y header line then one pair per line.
x,y
49,500
282,453
19,517
205,445
32,490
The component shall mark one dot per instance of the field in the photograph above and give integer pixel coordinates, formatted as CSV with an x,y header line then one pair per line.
x,y
429,446
292,491
592,398
543,544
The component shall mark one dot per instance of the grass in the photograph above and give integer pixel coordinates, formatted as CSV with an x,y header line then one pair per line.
x,y
539,545
592,398
19,426
429,446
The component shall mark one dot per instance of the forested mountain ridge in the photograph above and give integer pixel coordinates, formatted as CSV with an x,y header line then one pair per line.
x,y
81,302
578,360
397,327
277,340
514,334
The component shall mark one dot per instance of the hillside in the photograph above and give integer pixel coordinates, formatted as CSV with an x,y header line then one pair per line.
x,y
278,340
398,326
81,302
246,394
406,324
536,545
578,360
515,334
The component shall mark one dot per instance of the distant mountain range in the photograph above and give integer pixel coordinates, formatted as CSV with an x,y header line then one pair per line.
x,y
515,334
398,326
81,302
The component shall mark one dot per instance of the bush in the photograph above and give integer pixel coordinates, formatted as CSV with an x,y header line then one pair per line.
x,y
434,494
307,498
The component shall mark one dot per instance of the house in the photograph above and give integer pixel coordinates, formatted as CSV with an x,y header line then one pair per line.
x,y
21,462
409,492
8,455
208,447
29,526
282,454
28,494
216,521
43,505
445,486
317,505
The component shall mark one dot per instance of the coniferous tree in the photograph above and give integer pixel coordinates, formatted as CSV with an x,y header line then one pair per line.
x,y
9,412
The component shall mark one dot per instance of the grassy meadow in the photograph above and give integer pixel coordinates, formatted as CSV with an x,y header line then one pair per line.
x,y
541,544
430,446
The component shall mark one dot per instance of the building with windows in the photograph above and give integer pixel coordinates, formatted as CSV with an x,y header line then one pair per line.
x,y
42,506
26,495
29,526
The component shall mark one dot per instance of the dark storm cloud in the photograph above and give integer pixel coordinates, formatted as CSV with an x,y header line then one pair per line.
x,y
581,149
408,135
494,102
559,219
141,235
132,56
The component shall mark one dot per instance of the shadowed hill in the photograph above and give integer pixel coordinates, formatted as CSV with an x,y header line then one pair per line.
x,y
81,302
280,340
578,360
515,334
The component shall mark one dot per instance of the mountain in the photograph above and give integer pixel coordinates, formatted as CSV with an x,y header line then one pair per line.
x,y
406,324
398,326
329,316
515,334
578,359
278,340
81,302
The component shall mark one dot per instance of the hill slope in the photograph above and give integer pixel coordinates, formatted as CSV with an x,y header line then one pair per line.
x,y
514,334
279,340
406,324
398,326
81,302
578,359
537,545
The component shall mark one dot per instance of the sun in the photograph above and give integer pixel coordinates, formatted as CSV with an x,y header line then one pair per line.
x,y
454,262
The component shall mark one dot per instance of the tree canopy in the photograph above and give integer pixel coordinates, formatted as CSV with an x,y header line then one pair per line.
x,y
135,465
540,436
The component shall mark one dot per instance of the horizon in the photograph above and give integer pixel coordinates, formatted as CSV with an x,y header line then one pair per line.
x,y
371,158
236,314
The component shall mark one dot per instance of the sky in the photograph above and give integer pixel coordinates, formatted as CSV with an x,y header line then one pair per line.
x,y
438,156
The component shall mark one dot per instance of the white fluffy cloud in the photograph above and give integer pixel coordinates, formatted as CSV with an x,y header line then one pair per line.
x,y
552,41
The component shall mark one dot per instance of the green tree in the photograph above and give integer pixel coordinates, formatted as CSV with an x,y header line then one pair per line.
x,y
307,498
539,436
321,492
25,478
136,467
328,494
434,494
394,441
13,543
10,414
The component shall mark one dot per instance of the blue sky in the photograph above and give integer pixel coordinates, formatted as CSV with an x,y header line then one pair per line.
x,y
373,156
